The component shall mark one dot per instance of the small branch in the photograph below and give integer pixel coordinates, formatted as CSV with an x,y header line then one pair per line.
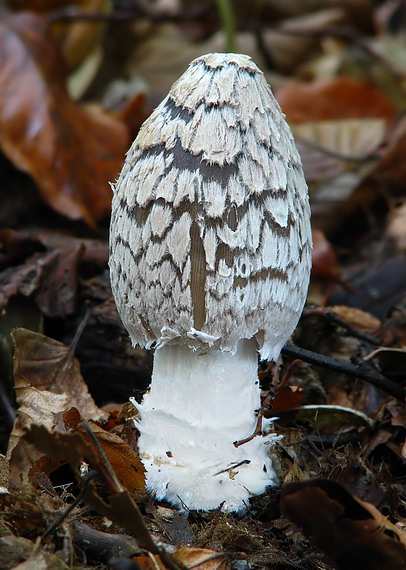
x,y
258,428
266,404
362,371
233,466
102,546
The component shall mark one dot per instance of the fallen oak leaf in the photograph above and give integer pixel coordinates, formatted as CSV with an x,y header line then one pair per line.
x,y
71,153
353,533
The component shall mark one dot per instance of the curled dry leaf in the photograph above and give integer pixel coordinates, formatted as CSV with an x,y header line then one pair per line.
x,y
125,463
353,533
71,153
47,382
43,363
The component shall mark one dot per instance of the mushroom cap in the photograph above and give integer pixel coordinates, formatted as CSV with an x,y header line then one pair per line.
x,y
210,238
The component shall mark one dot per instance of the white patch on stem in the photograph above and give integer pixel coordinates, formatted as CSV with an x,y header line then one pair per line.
x,y
197,406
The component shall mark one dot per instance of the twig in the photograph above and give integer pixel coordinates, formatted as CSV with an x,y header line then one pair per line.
x,y
233,466
266,405
121,499
362,371
102,546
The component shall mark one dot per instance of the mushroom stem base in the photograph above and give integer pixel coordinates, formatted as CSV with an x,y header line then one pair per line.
x,y
197,406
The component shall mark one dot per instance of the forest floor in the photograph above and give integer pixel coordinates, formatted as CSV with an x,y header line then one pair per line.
x,y
79,80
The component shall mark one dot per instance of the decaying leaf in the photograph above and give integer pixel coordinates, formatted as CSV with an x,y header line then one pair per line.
x,y
47,382
353,533
71,153
42,363
359,319
340,98
191,557
125,463
45,267
42,561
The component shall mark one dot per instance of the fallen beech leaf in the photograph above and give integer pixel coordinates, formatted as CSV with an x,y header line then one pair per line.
x,y
56,295
71,153
42,363
353,533
125,463
47,381
340,98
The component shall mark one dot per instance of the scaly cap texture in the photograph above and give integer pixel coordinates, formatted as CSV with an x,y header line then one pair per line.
x,y
210,231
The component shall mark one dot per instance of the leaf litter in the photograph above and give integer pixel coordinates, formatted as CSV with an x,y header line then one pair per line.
x,y
71,484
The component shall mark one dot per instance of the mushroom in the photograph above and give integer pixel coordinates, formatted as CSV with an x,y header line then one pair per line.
x,y
210,256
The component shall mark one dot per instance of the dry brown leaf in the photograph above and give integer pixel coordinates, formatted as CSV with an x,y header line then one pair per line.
x,y
389,173
47,382
200,557
286,398
124,461
42,363
46,266
324,259
353,533
71,153
340,98
361,320
77,39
